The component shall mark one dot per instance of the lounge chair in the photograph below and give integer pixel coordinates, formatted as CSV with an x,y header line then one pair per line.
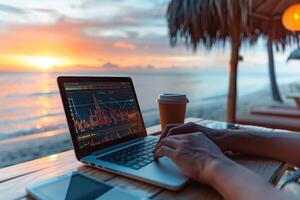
x,y
295,97
282,110
287,111
269,121
294,93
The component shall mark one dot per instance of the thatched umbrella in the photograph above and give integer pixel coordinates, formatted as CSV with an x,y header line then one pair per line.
x,y
207,22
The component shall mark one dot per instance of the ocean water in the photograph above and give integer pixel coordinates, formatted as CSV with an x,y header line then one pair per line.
x,y
30,102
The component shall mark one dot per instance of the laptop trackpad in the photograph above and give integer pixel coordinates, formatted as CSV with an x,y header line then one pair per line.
x,y
164,171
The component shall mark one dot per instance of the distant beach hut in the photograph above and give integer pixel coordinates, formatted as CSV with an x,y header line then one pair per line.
x,y
210,22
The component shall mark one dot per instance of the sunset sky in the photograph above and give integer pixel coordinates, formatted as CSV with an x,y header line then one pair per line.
x,y
96,34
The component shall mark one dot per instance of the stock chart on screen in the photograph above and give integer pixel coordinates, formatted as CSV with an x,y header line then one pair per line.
x,y
103,111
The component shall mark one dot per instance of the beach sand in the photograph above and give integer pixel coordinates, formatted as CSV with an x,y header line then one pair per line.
x,y
25,148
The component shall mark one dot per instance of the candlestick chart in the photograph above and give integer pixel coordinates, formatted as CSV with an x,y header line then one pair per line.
x,y
102,114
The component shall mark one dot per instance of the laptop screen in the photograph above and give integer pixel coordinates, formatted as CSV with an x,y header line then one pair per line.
x,y
103,112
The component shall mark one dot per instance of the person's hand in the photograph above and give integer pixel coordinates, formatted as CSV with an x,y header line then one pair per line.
x,y
193,153
176,129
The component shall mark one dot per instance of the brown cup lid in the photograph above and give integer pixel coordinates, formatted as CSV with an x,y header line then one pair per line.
x,y
172,98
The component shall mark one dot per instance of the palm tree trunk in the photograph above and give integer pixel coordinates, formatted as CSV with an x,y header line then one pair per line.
x,y
274,88
232,94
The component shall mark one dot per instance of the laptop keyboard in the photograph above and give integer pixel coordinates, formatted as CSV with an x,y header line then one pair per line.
x,y
135,156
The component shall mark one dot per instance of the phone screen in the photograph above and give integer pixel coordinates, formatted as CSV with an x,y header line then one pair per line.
x,y
222,125
75,187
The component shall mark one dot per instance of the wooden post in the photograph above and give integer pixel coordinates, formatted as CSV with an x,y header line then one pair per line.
x,y
274,88
233,71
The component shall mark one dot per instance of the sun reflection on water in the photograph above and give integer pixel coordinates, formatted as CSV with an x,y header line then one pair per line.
x,y
44,102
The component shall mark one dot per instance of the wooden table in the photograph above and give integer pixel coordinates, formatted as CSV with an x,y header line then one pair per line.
x,y
14,179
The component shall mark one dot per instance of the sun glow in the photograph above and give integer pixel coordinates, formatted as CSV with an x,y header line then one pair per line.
x,y
45,62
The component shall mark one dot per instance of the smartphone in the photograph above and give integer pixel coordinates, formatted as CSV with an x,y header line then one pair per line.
x,y
76,186
222,125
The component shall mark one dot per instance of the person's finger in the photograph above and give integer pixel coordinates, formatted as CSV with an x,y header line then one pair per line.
x,y
174,129
165,151
167,129
160,143
170,142
184,128
165,132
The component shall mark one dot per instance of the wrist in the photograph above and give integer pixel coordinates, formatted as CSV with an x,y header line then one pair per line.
x,y
215,169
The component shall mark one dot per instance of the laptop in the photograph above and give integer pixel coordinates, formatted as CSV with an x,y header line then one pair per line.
x,y
108,131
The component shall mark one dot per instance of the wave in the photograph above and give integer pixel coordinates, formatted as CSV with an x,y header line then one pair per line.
x,y
215,97
37,94
28,119
31,131
45,93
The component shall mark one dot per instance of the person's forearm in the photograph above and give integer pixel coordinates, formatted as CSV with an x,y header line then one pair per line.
x,y
236,182
278,146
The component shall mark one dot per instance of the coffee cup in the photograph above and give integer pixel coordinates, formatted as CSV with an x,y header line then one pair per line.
x,y
172,108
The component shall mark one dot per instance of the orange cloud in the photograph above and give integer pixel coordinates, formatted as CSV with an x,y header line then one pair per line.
x,y
124,45
62,40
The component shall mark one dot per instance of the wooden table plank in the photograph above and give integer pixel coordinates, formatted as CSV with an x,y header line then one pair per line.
x,y
8,188
194,191
35,165
135,187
